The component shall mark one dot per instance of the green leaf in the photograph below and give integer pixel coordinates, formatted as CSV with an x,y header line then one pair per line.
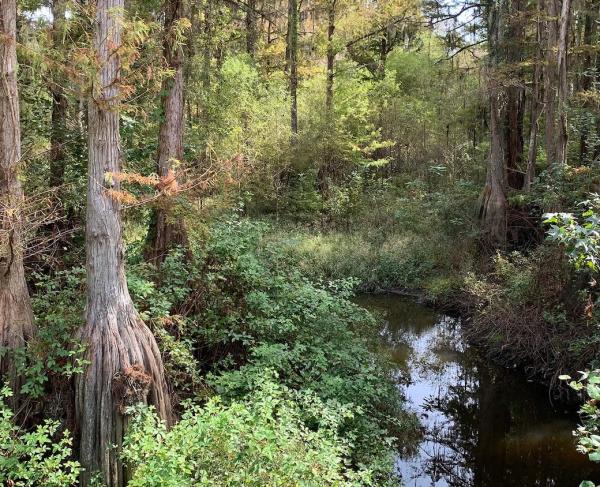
x,y
593,391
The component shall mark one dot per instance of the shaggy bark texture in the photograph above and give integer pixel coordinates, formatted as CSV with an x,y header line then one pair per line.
x,y
169,230
493,201
125,363
16,317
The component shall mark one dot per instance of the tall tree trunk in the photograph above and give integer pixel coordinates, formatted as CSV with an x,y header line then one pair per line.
x,y
551,81
535,112
563,45
207,53
515,97
292,64
168,229
16,317
330,57
586,83
251,29
493,201
125,362
493,208
325,169
59,102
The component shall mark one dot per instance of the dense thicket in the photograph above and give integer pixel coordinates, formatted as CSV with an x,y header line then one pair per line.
x,y
191,192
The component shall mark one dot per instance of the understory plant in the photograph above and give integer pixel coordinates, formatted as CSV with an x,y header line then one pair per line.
x,y
42,456
246,308
580,237
588,433
261,440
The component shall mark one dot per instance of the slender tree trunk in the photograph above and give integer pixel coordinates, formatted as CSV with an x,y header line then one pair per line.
x,y
251,29
551,82
292,64
535,115
326,167
207,53
585,83
125,362
383,52
515,98
169,230
330,57
59,103
563,45
16,317
514,136
190,50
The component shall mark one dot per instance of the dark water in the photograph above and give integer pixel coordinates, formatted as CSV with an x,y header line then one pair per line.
x,y
483,425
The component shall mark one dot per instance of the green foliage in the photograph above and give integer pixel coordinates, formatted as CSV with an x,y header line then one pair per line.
x,y
55,351
579,234
39,457
261,440
249,308
588,433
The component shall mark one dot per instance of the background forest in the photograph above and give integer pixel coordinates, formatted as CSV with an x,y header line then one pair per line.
x,y
193,192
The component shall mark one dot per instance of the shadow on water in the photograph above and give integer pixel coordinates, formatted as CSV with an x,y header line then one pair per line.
x,y
482,425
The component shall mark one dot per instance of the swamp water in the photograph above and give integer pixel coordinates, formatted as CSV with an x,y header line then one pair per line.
x,y
483,426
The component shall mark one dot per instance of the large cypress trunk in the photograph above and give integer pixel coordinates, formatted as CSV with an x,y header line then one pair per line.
x,y
493,208
168,229
16,317
125,363
493,202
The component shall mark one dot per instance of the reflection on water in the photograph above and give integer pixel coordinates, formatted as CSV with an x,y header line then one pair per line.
x,y
483,425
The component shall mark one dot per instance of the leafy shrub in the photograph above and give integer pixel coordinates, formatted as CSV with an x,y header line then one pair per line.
x,y
259,441
55,352
580,234
248,308
588,433
39,457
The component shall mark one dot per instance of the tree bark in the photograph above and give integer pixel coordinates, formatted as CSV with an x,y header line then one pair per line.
x,y
585,80
251,29
493,201
125,362
292,64
515,97
535,115
493,208
563,45
16,316
59,103
551,82
169,230
330,56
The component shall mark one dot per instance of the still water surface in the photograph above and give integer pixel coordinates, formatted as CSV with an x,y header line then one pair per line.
x,y
483,426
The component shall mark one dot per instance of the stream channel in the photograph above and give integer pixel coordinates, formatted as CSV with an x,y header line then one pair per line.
x,y
483,425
